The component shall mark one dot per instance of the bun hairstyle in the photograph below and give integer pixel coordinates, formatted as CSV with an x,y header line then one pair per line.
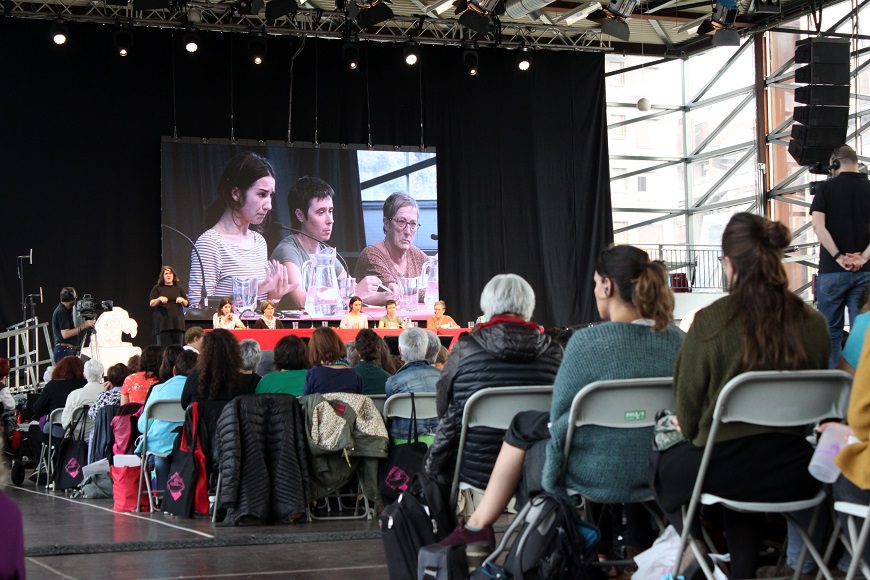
x,y
640,281
770,337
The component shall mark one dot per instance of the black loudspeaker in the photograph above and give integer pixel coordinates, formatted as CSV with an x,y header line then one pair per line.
x,y
821,125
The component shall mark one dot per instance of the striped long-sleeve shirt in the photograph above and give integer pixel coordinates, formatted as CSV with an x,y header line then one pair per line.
x,y
222,260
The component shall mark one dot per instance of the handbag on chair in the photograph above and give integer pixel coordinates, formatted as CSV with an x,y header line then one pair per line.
x,y
402,462
72,455
186,487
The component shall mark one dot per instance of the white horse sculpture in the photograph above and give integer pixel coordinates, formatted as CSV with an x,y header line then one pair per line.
x,y
107,344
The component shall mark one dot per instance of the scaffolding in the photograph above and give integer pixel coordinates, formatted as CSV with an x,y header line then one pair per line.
x,y
27,354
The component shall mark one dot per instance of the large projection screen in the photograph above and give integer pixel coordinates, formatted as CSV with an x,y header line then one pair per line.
x,y
246,233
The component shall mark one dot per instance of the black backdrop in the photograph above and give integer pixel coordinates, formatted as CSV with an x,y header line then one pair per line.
x,y
522,157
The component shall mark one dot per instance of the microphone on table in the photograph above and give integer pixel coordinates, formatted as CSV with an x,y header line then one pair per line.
x,y
203,312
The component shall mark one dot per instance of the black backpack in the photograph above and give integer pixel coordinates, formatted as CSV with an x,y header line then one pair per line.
x,y
419,517
552,542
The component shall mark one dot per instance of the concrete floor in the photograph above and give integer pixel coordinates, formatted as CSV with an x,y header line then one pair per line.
x,y
84,539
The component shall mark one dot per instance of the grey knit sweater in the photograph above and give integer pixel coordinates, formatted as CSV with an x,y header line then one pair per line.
x,y
607,465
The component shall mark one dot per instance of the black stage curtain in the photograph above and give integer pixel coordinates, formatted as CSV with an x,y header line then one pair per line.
x,y
522,158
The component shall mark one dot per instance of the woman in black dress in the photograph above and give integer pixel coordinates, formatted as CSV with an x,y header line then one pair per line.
x,y
167,299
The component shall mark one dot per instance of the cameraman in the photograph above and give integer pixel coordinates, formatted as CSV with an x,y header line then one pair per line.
x,y
67,335
841,214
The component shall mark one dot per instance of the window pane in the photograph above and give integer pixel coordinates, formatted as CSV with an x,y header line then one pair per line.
x,y
668,231
662,188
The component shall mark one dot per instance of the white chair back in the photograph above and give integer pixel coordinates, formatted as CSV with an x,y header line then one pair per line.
x,y
619,404
399,405
496,407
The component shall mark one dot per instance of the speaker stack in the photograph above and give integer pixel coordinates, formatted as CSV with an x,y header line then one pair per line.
x,y
820,125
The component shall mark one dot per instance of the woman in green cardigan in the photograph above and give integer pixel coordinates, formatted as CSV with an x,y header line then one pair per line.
x,y
760,325
636,340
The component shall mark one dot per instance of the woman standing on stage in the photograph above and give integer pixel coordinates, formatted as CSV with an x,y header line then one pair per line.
x,y
231,248
167,299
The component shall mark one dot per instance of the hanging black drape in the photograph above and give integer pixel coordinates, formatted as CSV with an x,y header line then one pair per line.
x,y
522,157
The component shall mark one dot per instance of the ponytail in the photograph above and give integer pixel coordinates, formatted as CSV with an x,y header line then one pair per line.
x,y
652,297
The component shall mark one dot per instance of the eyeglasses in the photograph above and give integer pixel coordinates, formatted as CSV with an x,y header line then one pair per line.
x,y
402,223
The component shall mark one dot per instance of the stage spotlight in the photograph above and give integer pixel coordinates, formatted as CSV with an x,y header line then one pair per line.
x,y
278,8
617,11
369,12
470,60
123,38
719,24
477,15
411,54
191,40
257,48
350,54
524,59
59,32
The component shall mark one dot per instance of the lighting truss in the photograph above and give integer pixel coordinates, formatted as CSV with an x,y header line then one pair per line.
x,y
318,24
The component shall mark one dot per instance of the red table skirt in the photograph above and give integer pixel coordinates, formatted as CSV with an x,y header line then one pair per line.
x,y
269,338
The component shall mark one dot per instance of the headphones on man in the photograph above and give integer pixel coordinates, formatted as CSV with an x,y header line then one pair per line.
x,y
67,294
835,164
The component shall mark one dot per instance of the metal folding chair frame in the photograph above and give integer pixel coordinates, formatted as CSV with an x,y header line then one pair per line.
x,y
775,399
479,413
165,410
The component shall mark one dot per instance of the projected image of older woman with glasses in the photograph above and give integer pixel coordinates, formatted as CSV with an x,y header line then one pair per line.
x,y
396,258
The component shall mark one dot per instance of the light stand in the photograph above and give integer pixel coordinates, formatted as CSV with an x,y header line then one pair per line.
x,y
29,258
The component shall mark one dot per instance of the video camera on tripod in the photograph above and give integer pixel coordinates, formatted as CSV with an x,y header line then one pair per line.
x,y
87,308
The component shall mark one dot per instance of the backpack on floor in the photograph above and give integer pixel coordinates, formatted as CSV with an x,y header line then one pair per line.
x,y
418,518
437,562
552,543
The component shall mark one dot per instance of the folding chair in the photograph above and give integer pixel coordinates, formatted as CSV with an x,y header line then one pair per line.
x,y
169,410
399,405
46,450
379,401
853,539
618,404
774,399
495,407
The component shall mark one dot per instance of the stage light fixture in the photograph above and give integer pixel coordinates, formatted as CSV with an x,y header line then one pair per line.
x,y
765,7
411,54
477,15
123,38
369,12
720,23
151,5
276,9
617,12
59,32
470,60
524,58
191,40
350,54
257,48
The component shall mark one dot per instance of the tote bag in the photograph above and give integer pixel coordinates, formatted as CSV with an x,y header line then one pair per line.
x,y
403,461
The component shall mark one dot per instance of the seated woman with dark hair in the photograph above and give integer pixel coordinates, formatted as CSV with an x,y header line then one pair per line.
x,y
167,363
218,375
606,465
291,360
136,386
268,321
760,325
67,376
329,372
372,355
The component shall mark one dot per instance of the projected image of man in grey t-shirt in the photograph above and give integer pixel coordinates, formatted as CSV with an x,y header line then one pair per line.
x,y
312,213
